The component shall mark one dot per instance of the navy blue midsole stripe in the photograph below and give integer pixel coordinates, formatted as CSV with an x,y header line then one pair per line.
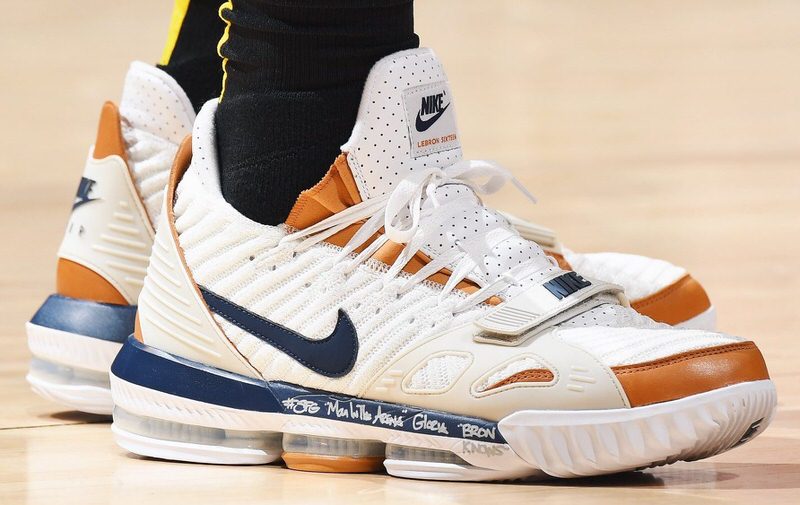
x,y
154,369
84,317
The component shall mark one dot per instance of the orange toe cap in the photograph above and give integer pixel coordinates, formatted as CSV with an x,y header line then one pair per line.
x,y
691,373
676,303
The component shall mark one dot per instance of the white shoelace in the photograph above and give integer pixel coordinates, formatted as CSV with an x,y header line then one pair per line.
x,y
406,216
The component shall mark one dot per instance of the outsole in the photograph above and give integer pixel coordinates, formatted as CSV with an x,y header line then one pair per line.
x,y
539,443
564,445
89,399
71,369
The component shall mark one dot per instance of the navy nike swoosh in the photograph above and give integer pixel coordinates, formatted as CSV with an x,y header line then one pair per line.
x,y
424,124
332,356
82,195
80,202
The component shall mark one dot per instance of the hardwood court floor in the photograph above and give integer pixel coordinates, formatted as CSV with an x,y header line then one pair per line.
x,y
661,128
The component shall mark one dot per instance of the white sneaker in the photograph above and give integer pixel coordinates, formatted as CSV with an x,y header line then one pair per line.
x,y
72,353
395,320
102,260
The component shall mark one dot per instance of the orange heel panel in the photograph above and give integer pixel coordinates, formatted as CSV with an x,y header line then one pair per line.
x,y
109,140
676,303
77,281
691,373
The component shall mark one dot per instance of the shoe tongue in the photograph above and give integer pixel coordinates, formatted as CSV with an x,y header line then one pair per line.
x,y
153,102
406,120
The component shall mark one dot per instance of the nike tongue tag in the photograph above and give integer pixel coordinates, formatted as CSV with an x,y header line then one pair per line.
x,y
406,120
431,123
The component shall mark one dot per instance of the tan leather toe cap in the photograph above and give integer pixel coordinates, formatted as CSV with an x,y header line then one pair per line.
x,y
676,303
691,373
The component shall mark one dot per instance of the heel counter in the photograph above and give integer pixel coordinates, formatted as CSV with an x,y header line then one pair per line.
x,y
105,250
172,315
74,280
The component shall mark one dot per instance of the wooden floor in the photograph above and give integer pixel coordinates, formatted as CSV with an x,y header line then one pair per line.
x,y
661,128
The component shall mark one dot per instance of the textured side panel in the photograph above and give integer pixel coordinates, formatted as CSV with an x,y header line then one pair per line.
x,y
108,231
437,373
173,316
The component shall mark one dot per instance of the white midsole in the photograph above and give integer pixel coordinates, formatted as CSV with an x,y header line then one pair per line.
x,y
155,404
70,349
606,440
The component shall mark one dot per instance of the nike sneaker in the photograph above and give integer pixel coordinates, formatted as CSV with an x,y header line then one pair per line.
x,y
394,321
154,115
656,288
103,257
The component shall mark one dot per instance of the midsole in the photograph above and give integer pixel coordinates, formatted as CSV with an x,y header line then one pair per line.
x,y
150,383
151,368
102,321
145,402
70,349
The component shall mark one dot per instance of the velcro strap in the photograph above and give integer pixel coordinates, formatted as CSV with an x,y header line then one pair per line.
x,y
555,299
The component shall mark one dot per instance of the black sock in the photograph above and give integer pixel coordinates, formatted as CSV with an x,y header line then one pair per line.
x,y
295,70
191,53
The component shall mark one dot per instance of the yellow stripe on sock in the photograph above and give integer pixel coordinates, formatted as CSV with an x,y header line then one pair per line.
x,y
178,14
229,6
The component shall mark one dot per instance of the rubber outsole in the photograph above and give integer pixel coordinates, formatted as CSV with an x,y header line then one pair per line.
x,y
83,398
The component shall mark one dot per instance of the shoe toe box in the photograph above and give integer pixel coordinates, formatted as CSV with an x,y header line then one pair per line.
x,y
690,373
658,289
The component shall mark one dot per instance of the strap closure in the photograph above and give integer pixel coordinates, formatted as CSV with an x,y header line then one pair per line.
x,y
557,298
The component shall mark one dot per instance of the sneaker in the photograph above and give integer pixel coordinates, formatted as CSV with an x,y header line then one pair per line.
x,y
78,330
394,321
76,333
656,288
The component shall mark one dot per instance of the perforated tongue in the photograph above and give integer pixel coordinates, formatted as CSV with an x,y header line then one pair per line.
x,y
407,122
406,119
